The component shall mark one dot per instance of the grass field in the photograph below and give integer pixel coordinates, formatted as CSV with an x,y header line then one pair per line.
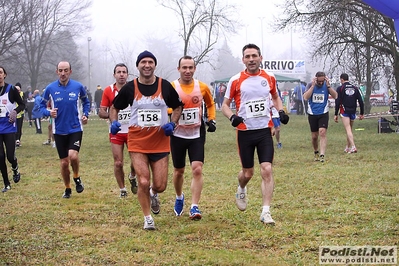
x,y
351,199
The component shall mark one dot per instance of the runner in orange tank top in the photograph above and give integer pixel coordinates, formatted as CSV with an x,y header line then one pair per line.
x,y
149,130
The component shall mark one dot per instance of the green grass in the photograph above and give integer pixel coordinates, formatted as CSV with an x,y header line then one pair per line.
x,y
352,199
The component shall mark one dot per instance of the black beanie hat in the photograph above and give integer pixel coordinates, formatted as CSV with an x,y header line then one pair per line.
x,y
19,85
143,55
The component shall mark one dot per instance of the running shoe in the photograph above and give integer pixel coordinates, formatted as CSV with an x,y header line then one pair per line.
x,y
179,205
322,158
195,213
347,150
279,145
155,204
67,193
149,224
133,183
6,188
16,175
316,156
79,185
47,142
241,199
266,218
53,145
123,194
353,150
17,143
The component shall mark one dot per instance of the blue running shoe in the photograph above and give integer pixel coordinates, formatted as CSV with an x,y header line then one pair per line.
x,y
179,205
195,213
279,145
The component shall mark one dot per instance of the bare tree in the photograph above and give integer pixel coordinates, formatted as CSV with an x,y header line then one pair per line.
x,y
40,21
10,13
347,33
202,22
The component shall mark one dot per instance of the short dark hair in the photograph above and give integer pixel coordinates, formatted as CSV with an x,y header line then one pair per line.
x,y
186,57
320,74
4,70
251,46
121,65
344,76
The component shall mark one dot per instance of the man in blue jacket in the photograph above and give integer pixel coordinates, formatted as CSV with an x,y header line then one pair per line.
x,y
64,95
36,113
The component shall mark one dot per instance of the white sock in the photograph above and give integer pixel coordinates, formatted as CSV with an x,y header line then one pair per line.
x,y
123,189
192,205
242,190
179,197
266,209
151,193
149,217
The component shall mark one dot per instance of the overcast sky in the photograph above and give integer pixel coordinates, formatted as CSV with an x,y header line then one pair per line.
x,y
121,21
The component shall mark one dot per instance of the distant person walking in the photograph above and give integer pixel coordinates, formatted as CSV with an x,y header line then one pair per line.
x,y
9,98
346,103
119,140
148,138
317,96
98,95
64,95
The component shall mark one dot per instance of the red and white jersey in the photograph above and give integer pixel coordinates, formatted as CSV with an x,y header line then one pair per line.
x,y
108,97
189,123
251,93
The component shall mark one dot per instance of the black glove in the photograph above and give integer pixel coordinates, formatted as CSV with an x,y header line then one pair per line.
x,y
211,125
236,120
284,118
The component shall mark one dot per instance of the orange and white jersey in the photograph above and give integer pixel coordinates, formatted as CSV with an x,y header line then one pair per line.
x,y
251,93
108,97
189,124
148,115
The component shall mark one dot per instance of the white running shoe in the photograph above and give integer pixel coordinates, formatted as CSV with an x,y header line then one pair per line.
x,y
241,199
149,224
266,218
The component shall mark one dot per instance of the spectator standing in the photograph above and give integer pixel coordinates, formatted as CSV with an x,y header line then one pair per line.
x,y
299,102
318,115
119,140
97,98
30,103
9,98
148,138
64,95
36,113
346,103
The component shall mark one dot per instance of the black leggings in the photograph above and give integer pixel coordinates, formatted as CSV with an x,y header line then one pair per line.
x,y
9,142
